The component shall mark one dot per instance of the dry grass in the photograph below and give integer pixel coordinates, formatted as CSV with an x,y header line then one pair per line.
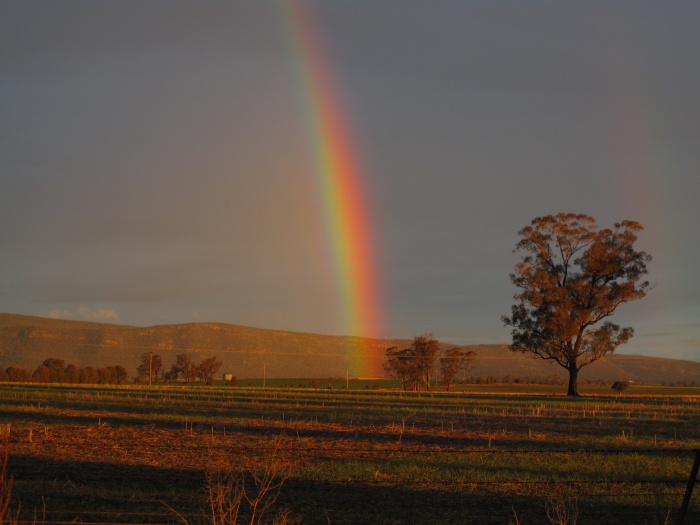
x,y
357,457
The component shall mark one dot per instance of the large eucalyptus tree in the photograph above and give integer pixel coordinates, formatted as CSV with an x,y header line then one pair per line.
x,y
572,276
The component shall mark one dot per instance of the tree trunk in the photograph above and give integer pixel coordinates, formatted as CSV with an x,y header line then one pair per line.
x,y
573,380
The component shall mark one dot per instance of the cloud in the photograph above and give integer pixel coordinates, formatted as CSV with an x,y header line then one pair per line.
x,y
59,314
97,314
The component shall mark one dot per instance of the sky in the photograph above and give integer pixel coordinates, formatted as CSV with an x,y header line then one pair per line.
x,y
159,160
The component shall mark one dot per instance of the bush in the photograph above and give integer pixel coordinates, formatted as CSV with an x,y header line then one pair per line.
x,y
620,386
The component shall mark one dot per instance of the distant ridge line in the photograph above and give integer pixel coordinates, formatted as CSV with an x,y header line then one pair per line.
x,y
27,341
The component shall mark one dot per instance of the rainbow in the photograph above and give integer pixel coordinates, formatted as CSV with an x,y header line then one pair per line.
x,y
344,200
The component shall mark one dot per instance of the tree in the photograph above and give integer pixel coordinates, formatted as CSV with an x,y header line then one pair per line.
x,y
399,364
72,374
572,277
208,368
452,362
184,366
17,374
620,386
42,374
106,375
426,349
88,375
413,365
121,374
150,367
57,369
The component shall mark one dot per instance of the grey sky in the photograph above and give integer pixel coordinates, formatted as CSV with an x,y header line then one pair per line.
x,y
155,166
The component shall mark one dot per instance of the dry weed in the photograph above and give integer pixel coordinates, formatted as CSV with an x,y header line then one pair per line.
x,y
561,508
245,494
6,478
516,520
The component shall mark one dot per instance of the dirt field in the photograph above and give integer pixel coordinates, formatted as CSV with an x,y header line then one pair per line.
x,y
140,455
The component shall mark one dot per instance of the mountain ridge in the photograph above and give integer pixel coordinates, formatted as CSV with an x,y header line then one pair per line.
x,y
249,352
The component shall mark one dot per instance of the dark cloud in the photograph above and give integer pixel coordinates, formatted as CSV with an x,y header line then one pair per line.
x,y
155,159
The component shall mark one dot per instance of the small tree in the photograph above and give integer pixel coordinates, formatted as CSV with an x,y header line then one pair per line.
x,y
72,374
453,362
426,348
57,369
184,366
150,367
121,374
413,365
400,364
88,375
17,374
572,277
620,386
208,368
42,374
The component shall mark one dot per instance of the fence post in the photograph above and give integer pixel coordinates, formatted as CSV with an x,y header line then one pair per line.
x,y
689,489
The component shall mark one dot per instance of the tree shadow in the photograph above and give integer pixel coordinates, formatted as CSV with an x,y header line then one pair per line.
x,y
90,491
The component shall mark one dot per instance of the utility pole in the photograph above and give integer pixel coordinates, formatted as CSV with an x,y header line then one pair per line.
x,y
150,368
264,374
347,380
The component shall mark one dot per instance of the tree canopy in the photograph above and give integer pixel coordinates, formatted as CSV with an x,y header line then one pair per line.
x,y
184,366
454,360
572,277
413,366
151,367
208,368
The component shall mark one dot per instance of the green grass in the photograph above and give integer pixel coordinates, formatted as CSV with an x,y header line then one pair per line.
x,y
124,454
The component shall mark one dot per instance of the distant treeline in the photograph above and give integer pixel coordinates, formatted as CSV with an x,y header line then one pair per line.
x,y
552,379
151,369
54,370
555,380
184,368
679,383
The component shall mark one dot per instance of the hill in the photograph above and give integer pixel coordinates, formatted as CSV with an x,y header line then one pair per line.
x,y
26,341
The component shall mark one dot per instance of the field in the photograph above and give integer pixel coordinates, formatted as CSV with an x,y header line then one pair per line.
x,y
141,455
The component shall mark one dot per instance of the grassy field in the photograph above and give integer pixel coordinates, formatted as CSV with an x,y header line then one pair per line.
x,y
635,390
484,455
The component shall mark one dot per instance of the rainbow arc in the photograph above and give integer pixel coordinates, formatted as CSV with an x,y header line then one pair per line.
x,y
340,180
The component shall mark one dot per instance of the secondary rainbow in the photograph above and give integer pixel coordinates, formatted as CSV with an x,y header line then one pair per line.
x,y
339,178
